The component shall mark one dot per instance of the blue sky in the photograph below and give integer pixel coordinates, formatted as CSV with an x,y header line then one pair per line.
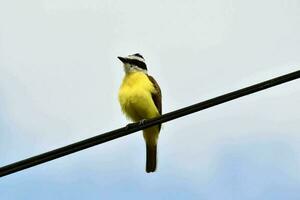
x,y
59,79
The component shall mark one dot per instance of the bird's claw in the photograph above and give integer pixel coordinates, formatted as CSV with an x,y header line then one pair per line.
x,y
142,122
130,125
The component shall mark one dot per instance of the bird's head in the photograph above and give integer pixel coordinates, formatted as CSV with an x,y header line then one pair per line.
x,y
135,62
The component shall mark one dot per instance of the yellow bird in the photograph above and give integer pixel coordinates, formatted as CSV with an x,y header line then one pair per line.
x,y
140,99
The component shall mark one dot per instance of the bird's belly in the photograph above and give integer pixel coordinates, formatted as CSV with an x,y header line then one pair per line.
x,y
137,104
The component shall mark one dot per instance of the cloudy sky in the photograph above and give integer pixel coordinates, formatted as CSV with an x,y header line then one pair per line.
x,y
59,80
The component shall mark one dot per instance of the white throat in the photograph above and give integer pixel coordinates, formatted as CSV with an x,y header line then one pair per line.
x,y
132,68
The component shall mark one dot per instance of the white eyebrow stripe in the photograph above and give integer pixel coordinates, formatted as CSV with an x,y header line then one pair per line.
x,y
136,58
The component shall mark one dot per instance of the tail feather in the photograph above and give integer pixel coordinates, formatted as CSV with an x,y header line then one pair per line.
x,y
151,136
151,152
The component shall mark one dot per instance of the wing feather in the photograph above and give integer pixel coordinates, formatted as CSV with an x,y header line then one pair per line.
x,y
156,96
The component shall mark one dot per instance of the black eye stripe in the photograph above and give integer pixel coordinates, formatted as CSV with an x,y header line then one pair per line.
x,y
138,63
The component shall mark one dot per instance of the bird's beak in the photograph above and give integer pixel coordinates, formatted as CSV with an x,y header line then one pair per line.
x,y
122,59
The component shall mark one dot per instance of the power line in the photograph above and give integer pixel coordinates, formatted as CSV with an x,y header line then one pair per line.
x,y
134,127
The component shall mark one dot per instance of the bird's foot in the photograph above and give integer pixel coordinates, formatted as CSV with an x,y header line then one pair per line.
x,y
142,122
130,125
139,123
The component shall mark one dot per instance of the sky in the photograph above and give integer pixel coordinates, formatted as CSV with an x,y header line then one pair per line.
x,y
59,81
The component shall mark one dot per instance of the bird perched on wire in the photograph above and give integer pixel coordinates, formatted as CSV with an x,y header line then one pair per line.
x,y
140,99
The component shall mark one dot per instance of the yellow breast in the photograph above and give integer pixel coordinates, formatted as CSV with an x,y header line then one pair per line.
x,y
135,97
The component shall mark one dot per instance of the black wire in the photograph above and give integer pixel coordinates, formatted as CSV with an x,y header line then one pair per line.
x,y
134,127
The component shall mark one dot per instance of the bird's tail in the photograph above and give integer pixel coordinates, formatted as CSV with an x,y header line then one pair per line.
x,y
151,152
151,137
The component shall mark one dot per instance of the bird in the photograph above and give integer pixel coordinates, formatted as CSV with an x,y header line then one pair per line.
x,y
140,98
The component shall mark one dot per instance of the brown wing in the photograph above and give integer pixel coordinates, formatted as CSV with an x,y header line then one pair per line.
x,y
156,96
